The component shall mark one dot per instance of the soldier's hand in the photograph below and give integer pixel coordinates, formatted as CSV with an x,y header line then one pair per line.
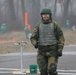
x,y
59,54
36,46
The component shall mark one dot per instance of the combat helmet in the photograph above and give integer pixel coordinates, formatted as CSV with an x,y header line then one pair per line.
x,y
45,10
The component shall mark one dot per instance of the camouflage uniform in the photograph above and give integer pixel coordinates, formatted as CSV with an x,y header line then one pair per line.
x,y
47,57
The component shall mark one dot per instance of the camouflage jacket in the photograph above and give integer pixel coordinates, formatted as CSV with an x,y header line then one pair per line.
x,y
58,33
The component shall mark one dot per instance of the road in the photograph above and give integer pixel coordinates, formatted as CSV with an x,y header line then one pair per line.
x,y
66,63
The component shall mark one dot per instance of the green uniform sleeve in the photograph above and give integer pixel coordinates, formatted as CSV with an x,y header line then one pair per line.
x,y
35,35
59,36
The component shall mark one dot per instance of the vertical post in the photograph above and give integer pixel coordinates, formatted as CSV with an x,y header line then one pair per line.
x,y
21,55
21,59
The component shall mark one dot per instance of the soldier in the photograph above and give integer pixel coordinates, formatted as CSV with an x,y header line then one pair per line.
x,y
48,38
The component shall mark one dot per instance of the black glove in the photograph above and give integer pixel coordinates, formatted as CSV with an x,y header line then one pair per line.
x,y
59,54
36,46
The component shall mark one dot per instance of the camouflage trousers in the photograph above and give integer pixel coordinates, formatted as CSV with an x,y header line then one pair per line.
x,y
47,61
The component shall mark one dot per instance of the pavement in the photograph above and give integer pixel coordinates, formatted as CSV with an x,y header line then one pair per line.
x,y
10,64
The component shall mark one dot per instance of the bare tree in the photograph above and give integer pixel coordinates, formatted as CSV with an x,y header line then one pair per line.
x,y
33,9
65,12
55,8
11,17
23,11
0,12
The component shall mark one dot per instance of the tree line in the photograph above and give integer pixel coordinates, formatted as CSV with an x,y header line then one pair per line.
x,y
12,12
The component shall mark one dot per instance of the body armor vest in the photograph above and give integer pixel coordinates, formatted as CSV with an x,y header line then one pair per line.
x,y
46,34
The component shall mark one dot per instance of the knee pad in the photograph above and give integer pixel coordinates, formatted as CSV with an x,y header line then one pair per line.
x,y
52,69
